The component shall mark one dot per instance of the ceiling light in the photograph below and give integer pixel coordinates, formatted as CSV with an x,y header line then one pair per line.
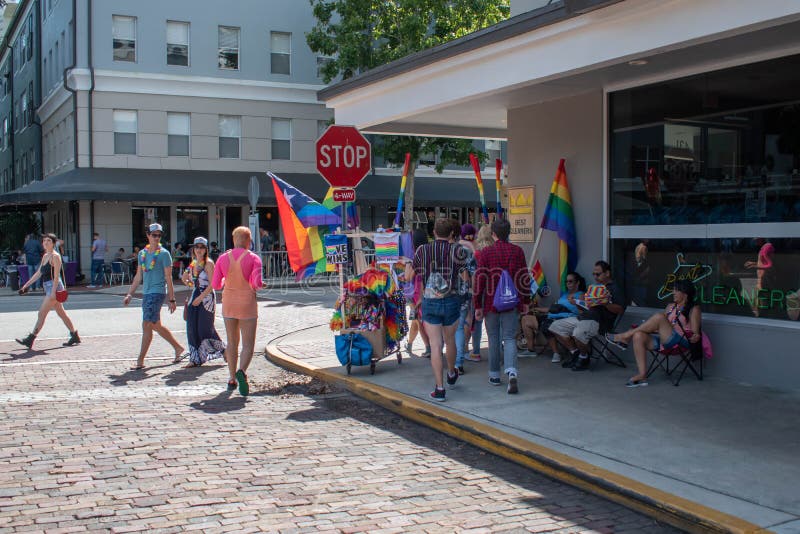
x,y
637,62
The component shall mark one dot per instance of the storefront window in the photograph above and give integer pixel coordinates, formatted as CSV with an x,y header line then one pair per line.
x,y
721,147
192,222
725,272
144,216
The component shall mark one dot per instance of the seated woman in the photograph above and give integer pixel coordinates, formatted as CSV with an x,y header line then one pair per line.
x,y
564,307
677,326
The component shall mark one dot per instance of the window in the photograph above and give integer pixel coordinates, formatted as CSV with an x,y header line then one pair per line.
x,y
322,62
23,46
125,126
228,48
281,48
192,222
24,116
124,29
32,161
230,130
29,55
178,134
31,107
281,138
178,43
5,132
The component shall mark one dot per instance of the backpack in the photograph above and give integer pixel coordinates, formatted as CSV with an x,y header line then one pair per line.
x,y
506,297
436,287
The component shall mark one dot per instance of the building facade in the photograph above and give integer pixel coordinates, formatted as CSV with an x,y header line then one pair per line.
x,y
162,112
680,140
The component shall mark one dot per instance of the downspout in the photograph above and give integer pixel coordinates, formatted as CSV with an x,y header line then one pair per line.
x,y
91,90
74,91
11,117
38,88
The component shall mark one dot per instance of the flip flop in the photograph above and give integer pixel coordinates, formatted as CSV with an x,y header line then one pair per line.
x,y
137,367
179,359
244,387
190,365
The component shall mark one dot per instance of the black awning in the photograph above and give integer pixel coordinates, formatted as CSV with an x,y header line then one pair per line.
x,y
223,187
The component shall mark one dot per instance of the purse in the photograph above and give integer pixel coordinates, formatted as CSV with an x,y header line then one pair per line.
x,y
353,349
61,294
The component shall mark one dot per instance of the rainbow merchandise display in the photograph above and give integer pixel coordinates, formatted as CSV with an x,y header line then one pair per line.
x,y
387,247
596,295
371,301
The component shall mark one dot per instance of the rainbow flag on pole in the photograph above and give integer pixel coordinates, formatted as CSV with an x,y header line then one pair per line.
x,y
538,280
559,218
476,166
304,222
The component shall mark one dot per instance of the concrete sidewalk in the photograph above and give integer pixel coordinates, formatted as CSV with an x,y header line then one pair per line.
x,y
705,456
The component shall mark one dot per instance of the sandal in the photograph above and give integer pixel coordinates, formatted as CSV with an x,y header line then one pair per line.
x,y
190,365
231,385
180,358
137,367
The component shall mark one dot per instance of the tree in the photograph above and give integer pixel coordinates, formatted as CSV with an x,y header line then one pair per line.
x,y
359,35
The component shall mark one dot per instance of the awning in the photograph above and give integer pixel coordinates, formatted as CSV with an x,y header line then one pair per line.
x,y
223,187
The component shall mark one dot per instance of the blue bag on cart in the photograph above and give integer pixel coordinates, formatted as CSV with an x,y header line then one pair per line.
x,y
353,348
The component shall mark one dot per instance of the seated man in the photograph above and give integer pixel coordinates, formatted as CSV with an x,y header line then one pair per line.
x,y
575,333
678,325
529,325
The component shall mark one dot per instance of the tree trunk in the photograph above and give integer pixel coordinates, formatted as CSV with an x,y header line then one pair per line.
x,y
408,203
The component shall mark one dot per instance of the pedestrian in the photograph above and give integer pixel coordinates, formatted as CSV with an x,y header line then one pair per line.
x,y
99,249
33,255
238,271
465,251
266,240
419,238
501,326
214,251
440,269
50,269
204,342
482,240
153,272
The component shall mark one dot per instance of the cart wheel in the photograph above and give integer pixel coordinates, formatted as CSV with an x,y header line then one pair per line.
x,y
372,368
348,368
399,357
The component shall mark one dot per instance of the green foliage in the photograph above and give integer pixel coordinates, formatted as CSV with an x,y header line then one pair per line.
x,y
14,226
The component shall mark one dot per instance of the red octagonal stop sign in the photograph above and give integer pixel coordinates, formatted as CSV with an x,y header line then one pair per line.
x,y
344,156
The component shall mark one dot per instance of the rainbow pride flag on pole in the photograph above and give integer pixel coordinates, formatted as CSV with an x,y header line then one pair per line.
x,y
538,281
559,217
304,222
476,166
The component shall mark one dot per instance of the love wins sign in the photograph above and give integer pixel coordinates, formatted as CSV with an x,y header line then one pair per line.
x,y
335,249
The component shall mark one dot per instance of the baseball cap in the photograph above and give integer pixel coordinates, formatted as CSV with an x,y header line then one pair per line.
x,y
200,241
155,227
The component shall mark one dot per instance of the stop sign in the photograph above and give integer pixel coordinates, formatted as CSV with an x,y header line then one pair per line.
x,y
344,156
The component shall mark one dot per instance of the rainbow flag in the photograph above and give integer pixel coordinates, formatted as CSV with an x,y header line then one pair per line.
x,y
304,239
559,218
476,166
538,281
353,221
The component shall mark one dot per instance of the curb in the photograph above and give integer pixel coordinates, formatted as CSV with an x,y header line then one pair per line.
x,y
660,505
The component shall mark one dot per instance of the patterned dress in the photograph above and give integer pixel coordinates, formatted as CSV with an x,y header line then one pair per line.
x,y
204,342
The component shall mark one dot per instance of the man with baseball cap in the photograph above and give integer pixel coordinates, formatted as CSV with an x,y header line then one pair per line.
x,y
155,275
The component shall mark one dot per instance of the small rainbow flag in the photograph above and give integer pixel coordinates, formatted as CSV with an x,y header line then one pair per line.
x,y
399,212
559,218
538,281
476,166
387,247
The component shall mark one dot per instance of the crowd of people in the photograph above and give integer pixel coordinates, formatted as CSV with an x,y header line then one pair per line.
x,y
466,281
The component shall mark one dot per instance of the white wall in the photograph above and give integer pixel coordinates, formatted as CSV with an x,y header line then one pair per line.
x,y
538,137
112,220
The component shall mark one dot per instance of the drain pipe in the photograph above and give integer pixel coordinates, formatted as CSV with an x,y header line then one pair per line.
x,y
91,87
74,92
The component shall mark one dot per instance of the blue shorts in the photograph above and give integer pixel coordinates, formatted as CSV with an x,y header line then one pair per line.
x,y
674,340
48,286
441,311
151,307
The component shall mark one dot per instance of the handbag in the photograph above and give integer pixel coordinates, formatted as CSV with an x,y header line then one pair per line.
x,y
353,349
61,294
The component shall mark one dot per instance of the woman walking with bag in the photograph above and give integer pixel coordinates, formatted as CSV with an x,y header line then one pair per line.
x,y
50,269
239,272
204,342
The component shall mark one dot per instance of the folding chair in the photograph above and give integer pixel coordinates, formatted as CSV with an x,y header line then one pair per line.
x,y
687,360
118,272
602,348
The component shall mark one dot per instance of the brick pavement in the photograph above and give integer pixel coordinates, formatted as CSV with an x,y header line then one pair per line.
x,y
89,446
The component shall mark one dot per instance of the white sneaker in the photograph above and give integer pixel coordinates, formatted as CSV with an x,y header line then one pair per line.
x,y
525,353
556,358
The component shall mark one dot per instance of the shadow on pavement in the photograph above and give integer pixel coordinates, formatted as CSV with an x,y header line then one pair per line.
x,y
226,401
134,375
25,354
190,374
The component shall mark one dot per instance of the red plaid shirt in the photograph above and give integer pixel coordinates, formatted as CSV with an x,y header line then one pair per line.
x,y
491,261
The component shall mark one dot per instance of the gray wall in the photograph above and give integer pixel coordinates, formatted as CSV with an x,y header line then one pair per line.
x,y
539,136
256,18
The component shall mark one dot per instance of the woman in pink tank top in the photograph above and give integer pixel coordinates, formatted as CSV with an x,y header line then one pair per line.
x,y
238,274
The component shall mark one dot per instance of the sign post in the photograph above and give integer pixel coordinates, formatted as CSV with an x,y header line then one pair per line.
x,y
253,192
344,158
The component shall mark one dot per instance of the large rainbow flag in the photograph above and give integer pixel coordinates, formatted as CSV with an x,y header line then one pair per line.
x,y
304,222
559,217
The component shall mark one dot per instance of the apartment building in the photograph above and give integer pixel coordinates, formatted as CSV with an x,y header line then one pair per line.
x,y
162,111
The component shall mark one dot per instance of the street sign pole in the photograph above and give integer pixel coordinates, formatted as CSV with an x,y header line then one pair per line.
x,y
253,192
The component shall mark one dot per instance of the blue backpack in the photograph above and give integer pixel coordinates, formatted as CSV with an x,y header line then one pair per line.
x,y
353,348
506,297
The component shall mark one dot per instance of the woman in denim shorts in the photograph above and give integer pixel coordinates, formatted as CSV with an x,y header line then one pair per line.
x,y
49,271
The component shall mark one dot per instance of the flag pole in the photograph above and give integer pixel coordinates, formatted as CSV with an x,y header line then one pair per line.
x,y
402,191
535,248
476,166
498,170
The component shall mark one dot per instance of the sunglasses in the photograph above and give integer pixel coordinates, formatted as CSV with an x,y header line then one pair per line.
x,y
200,246
156,235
